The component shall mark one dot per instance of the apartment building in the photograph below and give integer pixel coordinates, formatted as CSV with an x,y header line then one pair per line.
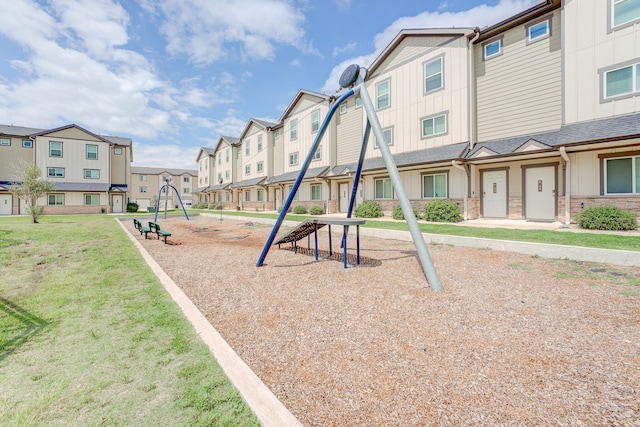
x,y
146,185
533,118
90,172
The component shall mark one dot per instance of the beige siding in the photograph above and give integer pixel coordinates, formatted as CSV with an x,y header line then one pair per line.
x,y
411,48
11,157
73,159
278,155
589,47
349,131
120,164
520,92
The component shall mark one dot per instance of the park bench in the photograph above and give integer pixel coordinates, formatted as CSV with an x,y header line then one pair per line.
x,y
155,228
141,228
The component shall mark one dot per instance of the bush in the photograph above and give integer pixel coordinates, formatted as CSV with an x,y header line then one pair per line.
x,y
299,210
199,206
132,207
607,218
442,211
316,210
368,209
216,207
398,214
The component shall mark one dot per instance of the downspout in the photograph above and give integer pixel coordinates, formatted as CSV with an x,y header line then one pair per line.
x,y
472,90
567,185
458,165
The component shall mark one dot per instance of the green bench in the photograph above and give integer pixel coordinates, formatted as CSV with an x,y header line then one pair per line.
x,y
154,227
141,228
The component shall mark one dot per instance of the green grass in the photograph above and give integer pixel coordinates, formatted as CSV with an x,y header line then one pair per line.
x,y
591,240
88,336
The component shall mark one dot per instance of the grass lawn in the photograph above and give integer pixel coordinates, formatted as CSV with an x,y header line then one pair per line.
x,y
605,241
88,335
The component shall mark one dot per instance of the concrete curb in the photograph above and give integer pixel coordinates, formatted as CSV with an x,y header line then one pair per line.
x,y
544,250
269,410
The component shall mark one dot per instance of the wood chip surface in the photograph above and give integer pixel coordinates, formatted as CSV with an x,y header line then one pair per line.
x,y
512,340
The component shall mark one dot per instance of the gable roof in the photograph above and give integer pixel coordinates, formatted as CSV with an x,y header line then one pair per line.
x,y
142,170
296,99
262,124
72,126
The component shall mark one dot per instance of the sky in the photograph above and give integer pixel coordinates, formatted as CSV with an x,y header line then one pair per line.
x,y
176,75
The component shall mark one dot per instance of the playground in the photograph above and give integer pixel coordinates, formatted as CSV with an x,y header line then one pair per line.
x,y
511,340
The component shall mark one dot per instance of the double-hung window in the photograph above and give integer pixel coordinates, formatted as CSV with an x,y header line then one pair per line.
x,y
55,172
624,12
622,175
227,155
92,173
435,125
343,108
293,129
388,137
55,199
260,195
247,169
293,159
491,49
433,75
317,155
226,175
384,189
383,94
55,149
622,81
316,191
92,152
143,189
247,147
185,179
259,142
434,185
247,195
91,199
259,167
315,121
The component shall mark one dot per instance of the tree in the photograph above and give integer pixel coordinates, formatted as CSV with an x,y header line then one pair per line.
x,y
30,186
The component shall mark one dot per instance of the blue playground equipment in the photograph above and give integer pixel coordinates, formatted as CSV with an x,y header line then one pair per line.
x,y
165,187
353,80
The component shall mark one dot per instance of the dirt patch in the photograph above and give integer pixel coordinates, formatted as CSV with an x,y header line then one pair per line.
x,y
511,340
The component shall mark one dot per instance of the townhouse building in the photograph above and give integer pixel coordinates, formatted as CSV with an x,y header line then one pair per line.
x,y
91,173
146,183
535,117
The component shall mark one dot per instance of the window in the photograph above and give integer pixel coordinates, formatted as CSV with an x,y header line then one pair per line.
x,y
226,175
247,147
315,121
434,185
436,125
293,129
227,197
227,155
55,172
219,176
538,31
185,190
293,158
358,102
5,142
55,199
492,49
247,169
206,164
433,75
91,199
316,191
92,173
260,195
625,11
384,189
143,177
295,196
259,167
92,152
238,151
259,142
622,175
219,158
318,153
55,149
27,143
117,151
143,189
247,195
622,81
388,137
276,135
343,108
382,95
185,179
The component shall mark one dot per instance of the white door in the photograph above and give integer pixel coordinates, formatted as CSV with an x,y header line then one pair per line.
x,y
344,197
540,193
23,207
117,203
6,204
494,194
143,204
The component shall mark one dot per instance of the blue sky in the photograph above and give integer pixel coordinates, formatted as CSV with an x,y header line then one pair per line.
x,y
175,75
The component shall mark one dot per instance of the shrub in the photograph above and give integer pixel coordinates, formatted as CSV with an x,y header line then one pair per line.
x,y
316,210
199,206
607,218
216,207
299,210
368,209
398,214
132,207
442,211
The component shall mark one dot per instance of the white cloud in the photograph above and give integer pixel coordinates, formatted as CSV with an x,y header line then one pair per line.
x,y
208,31
164,156
343,4
478,16
345,49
